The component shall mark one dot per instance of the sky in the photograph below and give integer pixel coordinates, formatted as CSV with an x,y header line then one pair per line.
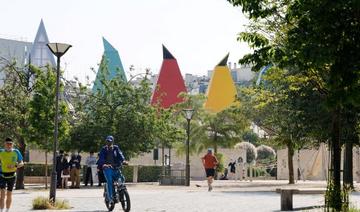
x,y
199,33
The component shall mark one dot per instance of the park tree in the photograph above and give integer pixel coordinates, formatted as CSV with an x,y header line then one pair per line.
x,y
15,95
212,130
42,113
120,109
280,106
320,39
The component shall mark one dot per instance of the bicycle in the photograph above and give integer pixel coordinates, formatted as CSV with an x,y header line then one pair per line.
x,y
120,193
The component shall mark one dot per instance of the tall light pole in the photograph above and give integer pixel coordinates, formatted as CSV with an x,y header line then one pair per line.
x,y
58,49
188,113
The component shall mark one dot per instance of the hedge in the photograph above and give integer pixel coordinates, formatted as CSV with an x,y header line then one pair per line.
x,y
149,173
145,173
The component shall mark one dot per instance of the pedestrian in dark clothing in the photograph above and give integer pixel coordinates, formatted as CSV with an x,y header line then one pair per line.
x,y
232,167
66,171
59,167
101,177
75,170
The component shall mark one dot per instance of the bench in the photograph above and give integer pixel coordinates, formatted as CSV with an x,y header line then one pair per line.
x,y
286,196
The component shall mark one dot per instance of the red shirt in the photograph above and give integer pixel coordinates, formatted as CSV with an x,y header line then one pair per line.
x,y
210,161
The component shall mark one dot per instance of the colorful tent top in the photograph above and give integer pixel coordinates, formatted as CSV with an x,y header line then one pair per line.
x,y
110,66
221,92
170,82
40,54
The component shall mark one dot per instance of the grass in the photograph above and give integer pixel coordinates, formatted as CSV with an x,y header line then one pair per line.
x,y
43,203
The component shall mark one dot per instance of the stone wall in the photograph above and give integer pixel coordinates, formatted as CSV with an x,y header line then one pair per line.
x,y
313,164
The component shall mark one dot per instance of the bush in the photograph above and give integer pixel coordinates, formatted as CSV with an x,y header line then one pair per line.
x,y
220,167
149,173
43,203
251,153
256,171
145,173
128,172
31,169
265,153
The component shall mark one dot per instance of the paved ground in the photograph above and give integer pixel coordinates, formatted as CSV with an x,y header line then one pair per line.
x,y
226,196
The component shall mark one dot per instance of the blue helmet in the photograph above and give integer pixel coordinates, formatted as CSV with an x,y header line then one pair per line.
x,y
110,138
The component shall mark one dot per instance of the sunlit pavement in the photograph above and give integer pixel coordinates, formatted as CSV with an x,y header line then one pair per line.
x,y
226,196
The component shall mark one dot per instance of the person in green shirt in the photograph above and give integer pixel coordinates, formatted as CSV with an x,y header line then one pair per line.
x,y
11,159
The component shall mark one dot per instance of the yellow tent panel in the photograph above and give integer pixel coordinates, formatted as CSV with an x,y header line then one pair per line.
x,y
221,92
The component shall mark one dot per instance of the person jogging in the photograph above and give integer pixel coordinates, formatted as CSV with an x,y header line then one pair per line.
x,y
11,159
210,162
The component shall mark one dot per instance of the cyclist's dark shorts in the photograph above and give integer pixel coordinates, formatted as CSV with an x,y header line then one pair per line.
x,y
7,182
210,172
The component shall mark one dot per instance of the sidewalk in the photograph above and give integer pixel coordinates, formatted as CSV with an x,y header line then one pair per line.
x,y
226,196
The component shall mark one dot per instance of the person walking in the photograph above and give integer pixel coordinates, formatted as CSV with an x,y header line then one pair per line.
x,y
210,162
11,159
59,168
75,170
66,171
232,169
90,161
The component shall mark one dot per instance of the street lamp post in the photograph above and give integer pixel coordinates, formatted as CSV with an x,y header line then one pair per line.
x,y
58,49
188,115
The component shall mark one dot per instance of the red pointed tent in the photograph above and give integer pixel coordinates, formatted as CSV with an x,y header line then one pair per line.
x,y
170,82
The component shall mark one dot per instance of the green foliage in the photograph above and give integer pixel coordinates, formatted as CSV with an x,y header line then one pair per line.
x,y
43,203
121,110
36,169
265,153
149,173
221,166
251,137
256,171
42,110
251,153
315,40
128,172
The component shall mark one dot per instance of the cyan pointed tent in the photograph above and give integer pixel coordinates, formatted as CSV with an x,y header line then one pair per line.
x,y
111,63
40,55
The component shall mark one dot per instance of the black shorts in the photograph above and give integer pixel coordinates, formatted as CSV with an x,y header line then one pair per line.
x,y
7,182
210,172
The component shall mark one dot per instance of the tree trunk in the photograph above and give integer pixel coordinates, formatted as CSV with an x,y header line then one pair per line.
x,y
215,152
20,172
46,169
162,159
336,199
291,162
348,165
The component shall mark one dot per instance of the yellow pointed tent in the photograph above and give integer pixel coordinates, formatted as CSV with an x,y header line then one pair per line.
x,y
221,92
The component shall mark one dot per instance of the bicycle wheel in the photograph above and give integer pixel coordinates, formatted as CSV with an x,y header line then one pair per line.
x,y
125,200
110,206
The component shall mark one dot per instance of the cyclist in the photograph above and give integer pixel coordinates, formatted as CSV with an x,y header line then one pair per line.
x,y
110,159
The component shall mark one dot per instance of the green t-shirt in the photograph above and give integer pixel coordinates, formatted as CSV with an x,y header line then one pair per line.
x,y
9,158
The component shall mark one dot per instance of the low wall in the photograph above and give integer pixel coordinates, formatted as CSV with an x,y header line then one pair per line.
x,y
36,180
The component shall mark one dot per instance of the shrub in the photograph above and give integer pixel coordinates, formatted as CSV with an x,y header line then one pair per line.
x,y
251,153
220,167
149,173
43,203
265,152
31,169
128,172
